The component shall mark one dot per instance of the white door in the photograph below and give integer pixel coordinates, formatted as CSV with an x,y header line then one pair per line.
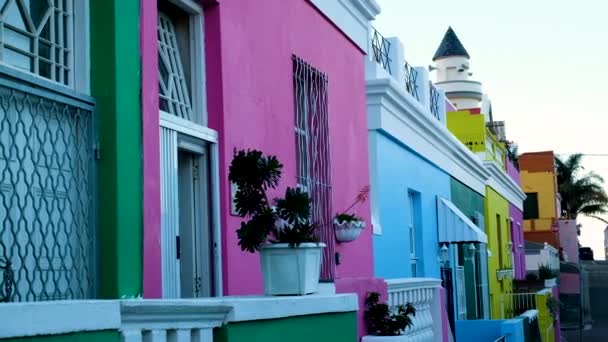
x,y
186,235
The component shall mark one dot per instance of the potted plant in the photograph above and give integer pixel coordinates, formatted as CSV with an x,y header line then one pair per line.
x,y
548,274
290,253
349,226
384,325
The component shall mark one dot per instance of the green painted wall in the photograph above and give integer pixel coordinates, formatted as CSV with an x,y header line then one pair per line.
x,y
115,84
497,208
470,203
95,336
466,199
336,327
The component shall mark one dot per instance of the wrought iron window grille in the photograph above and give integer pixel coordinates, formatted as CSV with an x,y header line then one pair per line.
x,y
7,281
312,154
381,49
47,179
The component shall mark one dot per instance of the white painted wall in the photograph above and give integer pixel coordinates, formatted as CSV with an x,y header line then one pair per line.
x,y
352,17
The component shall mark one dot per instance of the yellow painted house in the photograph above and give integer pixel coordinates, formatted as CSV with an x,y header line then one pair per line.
x,y
471,129
542,206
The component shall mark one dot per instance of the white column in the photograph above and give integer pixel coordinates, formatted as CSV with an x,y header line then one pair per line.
x,y
424,91
156,335
131,335
397,60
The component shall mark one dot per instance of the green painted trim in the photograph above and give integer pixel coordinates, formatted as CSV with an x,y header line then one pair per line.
x,y
335,327
116,86
95,336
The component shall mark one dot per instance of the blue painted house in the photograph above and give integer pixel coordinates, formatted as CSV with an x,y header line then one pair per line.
x,y
414,161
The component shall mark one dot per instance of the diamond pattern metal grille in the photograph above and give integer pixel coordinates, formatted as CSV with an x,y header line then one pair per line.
x,y
37,36
174,92
411,77
434,106
313,158
46,194
381,48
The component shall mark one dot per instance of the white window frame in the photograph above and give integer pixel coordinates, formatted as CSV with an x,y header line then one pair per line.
x,y
199,130
196,38
79,80
411,197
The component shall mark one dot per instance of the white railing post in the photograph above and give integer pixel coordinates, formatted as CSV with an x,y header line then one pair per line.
x,y
131,335
170,320
397,61
424,90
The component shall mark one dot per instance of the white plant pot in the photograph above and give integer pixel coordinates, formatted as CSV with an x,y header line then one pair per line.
x,y
348,231
550,282
291,271
371,338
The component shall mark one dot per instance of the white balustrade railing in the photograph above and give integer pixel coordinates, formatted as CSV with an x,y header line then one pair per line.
x,y
424,295
166,320
515,304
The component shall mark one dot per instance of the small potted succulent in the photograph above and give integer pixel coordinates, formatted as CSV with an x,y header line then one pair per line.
x,y
548,274
349,226
384,325
283,233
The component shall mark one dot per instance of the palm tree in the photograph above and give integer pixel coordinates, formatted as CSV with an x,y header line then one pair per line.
x,y
581,193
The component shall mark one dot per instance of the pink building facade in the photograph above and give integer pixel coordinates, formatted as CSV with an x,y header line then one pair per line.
x,y
517,228
248,58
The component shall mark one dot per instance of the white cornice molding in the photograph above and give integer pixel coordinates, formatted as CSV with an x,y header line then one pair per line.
x,y
504,185
352,17
368,8
394,112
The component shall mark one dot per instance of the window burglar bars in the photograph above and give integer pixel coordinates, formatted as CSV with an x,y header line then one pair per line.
x,y
381,48
411,76
47,168
312,154
38,36
434,106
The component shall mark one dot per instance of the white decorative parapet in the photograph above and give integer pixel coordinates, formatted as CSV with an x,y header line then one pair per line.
x,y
163,321
424,295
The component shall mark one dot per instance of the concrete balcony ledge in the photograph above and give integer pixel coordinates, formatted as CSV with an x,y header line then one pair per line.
x,y
62,317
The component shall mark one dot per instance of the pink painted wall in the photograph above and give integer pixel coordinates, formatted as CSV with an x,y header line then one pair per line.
x,y
256,44
557,327
449,107
513,172
569,283
569,239
517,230
151,155
445,322
517,238
248,52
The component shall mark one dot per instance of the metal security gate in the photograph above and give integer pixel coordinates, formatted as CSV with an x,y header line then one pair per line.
x,y
47,170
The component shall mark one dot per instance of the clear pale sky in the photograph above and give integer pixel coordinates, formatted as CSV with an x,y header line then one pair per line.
x,y
544,64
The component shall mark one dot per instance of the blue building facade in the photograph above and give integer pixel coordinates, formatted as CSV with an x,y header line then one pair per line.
x,y
407,186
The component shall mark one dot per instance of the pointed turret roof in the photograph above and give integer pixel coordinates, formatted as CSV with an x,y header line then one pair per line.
x,y
450,46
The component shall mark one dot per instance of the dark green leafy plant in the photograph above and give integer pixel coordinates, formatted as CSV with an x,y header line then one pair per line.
x,y
546,272
382,322
288,222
